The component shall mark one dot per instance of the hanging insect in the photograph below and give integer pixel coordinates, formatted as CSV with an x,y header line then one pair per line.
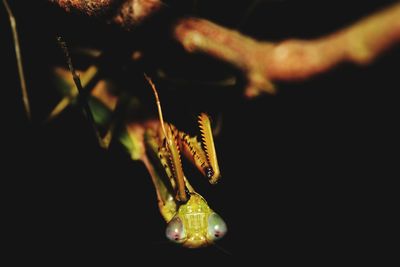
x,y
158,144
191,222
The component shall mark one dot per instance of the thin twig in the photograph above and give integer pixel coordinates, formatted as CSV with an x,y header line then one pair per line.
x,y
25,97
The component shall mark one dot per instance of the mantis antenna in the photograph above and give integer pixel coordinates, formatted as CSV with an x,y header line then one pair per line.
x,y
158,106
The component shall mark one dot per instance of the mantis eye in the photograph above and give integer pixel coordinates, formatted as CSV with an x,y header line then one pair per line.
x,y
216,226
175,230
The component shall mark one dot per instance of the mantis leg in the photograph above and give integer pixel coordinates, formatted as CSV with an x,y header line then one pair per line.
x,y
164,190
202,154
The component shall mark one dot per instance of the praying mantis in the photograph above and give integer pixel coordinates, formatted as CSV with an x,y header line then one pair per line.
x,y
158,144
191,222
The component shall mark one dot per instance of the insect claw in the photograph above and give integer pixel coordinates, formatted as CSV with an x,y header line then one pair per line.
x,y
209,172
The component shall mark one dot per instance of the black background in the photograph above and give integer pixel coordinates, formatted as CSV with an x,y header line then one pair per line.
x,y
300,169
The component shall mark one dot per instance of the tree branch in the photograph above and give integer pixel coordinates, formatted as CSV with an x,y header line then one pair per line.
x,y
264,62
261,62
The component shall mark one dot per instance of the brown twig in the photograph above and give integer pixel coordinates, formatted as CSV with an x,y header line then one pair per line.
x,y
263,62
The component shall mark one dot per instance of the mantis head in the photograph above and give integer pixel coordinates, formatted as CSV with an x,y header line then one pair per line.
x,y
195,224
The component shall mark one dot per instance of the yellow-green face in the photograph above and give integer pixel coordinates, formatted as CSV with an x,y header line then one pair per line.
x,y
195,224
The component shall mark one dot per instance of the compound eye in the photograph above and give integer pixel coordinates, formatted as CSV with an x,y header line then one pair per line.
x,y
216,227
175,230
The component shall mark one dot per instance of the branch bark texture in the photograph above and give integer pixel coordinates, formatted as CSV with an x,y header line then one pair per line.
x,y
126,13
